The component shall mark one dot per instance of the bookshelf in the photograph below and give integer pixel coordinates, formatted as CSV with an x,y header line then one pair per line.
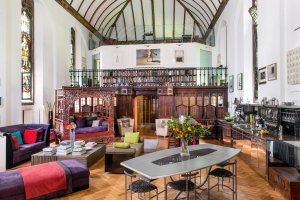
x,y
150,77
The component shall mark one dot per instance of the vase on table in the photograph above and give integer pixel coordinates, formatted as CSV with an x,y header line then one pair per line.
x,y
184,153
72,137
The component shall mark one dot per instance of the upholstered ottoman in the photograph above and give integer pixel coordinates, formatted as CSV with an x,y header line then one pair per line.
x,y
12,185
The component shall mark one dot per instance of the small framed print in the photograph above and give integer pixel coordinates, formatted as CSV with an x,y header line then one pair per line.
x,y
262,75
240,81
231,83
272,72
179,56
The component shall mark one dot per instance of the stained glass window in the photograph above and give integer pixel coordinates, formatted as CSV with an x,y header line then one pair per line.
x,y
27,51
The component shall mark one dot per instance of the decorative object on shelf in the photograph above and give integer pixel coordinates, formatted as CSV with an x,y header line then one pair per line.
x,y
272,72
293,66
148,57
186,128
262,75
240,81
71,127
179,56
231,83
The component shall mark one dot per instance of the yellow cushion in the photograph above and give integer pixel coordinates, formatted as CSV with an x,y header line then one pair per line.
x,y
132,138
122,145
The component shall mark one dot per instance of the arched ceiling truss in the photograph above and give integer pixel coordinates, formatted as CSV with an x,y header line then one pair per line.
x,y
139,20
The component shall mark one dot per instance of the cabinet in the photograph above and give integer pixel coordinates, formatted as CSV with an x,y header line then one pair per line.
x,y
285,180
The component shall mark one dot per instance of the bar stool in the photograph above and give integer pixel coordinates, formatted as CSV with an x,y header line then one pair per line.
x,y
224,173
139,186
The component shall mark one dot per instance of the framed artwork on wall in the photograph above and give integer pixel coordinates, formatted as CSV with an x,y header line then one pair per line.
x,y
240,81
148,56
231,83
179,56
262,75
272,72
293,66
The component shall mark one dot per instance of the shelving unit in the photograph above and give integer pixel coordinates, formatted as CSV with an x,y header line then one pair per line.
x,y
150,77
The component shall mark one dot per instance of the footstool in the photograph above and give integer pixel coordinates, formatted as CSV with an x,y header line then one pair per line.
x,y
114,156
12,185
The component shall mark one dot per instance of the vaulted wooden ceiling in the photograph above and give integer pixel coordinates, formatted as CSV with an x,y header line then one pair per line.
x,y
131,20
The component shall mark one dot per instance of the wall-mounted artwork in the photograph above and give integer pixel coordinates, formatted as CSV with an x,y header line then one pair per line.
x,y
148,56
293,66
231,83
179,56
262,75
240,81
272,72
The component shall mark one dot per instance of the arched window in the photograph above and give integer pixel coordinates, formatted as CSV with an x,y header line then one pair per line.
x,y
27,65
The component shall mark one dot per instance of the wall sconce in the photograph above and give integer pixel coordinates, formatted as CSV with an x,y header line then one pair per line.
x,y
253,13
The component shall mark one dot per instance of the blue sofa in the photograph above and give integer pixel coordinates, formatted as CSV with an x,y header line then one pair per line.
x,y
15,157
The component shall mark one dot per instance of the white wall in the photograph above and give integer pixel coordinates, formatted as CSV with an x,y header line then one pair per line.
x,y
127,54
52,28
235,26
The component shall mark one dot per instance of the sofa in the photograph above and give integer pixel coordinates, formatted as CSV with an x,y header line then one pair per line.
x,y
16,156
13,186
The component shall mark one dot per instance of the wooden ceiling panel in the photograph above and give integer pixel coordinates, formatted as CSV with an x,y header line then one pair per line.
x,y
130,20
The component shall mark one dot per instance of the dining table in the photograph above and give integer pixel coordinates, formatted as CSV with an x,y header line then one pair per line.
x,y
169,162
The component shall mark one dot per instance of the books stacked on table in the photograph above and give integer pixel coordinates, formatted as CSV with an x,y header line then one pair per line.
x,y
49,151
64,148
90,145
79,148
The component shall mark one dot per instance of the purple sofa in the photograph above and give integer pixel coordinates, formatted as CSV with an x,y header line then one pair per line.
x,y
12,186
14,157
91,129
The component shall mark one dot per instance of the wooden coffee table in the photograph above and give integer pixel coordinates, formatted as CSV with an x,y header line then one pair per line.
x,y
88,159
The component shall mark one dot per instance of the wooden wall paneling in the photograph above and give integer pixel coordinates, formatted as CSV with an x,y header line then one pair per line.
x,y
124,106
165,106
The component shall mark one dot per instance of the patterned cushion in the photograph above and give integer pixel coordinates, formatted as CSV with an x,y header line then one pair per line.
x,y
180,185
125,123
141,186
132,138
220,172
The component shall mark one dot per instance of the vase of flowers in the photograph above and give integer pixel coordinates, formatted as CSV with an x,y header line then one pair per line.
x,y
71,127
186,128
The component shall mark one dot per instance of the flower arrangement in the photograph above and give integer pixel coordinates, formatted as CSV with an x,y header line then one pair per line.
x,y
186,128
71,126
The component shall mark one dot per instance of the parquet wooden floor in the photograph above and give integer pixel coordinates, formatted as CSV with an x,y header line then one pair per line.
x,y
105,186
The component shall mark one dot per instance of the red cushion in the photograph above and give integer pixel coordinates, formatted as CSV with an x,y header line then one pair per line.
x,y
30,136
15,139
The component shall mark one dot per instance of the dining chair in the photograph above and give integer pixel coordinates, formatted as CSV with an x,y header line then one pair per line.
x,y
221,172
139,186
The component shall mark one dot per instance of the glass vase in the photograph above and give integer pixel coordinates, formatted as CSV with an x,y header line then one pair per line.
x,y
185,153
72,137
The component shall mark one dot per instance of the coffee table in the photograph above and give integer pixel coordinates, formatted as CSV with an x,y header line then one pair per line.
x,y
88,159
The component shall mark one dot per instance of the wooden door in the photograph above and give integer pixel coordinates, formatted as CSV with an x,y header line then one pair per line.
x,y
165,107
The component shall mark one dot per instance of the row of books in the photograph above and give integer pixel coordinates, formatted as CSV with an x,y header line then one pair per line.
x,y
66,148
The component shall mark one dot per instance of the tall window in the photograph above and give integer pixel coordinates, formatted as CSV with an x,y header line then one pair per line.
x,y
27,51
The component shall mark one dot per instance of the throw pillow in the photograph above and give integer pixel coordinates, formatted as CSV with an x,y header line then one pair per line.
x,y
30,136
15,139
163,123
40,136
125,123
80,123
132,138
19,136
121,145
95,123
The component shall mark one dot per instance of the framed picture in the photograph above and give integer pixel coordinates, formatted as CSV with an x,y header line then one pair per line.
x,y
148,56
262,75
179,56
272,72
231,83
240,81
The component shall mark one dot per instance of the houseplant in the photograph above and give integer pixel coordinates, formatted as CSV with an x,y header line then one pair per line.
x,y
186,128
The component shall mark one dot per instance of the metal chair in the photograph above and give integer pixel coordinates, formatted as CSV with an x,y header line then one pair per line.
x,y
139,186
222,173
184,185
